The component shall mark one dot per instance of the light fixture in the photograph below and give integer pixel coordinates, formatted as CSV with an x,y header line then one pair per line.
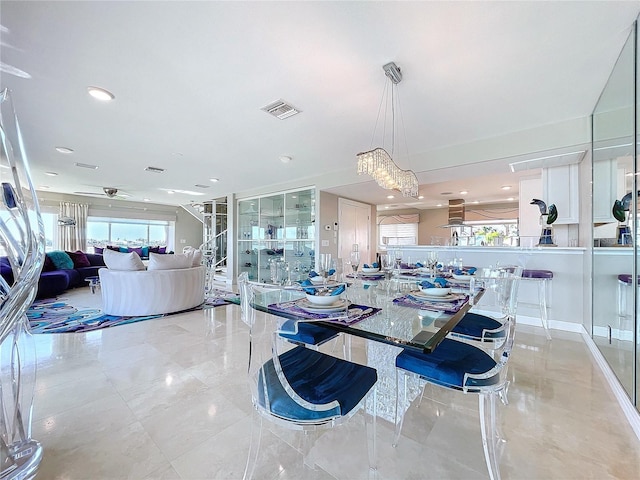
x,y
285,159
377,162
390,197
214,180
101,94
51,174
506,187
421,197
463,192
64,150
146,199
170,192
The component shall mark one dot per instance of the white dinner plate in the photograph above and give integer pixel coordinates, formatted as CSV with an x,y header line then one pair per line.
x,y
451,297
367,274
307,306
462,278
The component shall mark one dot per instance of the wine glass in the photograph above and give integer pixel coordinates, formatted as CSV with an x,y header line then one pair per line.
x,y
432,262
387,263
355,263
325,265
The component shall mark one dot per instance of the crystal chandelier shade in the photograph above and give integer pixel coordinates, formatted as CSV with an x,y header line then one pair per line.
x,y
380,166
377,162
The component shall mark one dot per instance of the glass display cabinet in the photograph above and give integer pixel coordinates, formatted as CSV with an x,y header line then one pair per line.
x,y
277,227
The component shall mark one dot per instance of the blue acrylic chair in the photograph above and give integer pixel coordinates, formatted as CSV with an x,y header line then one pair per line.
x,y
462,366
297,387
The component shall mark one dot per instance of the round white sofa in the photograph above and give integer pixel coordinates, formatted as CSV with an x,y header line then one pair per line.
x,y
151,292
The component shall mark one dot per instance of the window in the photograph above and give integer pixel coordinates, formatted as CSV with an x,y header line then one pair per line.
x,y
503,232
126,232
399,234
50,221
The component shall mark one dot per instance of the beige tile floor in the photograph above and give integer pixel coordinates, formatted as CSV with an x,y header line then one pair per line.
x,y
167,399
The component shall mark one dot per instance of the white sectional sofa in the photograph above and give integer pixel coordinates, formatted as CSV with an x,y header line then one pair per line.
x,y
151,292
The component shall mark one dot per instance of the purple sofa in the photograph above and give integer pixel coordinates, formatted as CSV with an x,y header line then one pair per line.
x,y
54,281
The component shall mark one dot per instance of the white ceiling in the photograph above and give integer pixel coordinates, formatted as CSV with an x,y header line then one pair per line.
x,y
190,78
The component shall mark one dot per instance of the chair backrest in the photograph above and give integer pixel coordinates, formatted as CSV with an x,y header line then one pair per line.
x,y
267,350
505,281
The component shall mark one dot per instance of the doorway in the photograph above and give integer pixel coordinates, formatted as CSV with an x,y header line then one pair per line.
x,y
354,220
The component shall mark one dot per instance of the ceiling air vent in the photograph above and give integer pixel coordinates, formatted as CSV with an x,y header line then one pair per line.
x,y
154,169
281,109
201,186
86,165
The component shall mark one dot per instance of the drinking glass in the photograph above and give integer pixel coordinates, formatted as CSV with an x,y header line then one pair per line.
x,y
355,263
387,263
325,265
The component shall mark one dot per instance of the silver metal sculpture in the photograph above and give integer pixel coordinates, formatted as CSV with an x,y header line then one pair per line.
x,y
22,238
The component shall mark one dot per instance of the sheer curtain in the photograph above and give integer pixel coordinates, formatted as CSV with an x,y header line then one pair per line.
x,y
74,237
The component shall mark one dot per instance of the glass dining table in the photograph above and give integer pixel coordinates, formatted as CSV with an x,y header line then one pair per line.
x,y
393,312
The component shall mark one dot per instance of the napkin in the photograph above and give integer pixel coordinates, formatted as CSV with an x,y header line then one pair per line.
x,y
419,265
437,282
313,274
468,271
313,291
373,265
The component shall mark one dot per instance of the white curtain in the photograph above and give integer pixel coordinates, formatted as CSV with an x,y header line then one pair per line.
x,y
74,237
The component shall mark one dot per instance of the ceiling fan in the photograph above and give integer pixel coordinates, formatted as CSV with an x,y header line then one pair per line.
x,y
109,192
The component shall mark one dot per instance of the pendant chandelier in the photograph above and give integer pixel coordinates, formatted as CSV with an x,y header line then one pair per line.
x,y
377,162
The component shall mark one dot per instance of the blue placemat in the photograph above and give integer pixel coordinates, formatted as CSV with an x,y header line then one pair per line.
x,y
413,301
356,313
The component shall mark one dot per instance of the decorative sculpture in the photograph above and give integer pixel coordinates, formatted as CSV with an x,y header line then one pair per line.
x,y
620,207
22,237
547,217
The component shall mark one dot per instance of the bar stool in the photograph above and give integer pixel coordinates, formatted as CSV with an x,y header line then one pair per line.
x,y
624,282
542,277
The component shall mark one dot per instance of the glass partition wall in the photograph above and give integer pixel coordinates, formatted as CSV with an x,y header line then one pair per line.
x,y
615,225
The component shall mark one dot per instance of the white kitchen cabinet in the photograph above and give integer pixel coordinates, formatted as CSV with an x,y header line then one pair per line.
x,y
561,186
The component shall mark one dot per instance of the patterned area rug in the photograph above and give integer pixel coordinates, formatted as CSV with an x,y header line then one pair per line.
x,y
54,315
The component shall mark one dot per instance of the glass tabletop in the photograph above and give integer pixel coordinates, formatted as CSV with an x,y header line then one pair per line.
x,y
394,312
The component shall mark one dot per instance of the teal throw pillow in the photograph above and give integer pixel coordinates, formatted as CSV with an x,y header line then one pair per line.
x,y
61,260
145,252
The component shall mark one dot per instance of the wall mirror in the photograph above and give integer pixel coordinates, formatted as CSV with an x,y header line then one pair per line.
x,y
615,230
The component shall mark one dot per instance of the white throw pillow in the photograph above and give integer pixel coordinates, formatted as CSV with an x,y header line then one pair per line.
x,y
168,261
122,261
197,257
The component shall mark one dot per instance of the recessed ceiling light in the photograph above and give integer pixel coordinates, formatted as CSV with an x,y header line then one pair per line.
x,y
390,197
510,199
86,165
214,180
51,174
101,94
506,187
146,199
285,159
44,187
421,197
199,185
386,207
64,150
439,205
170,192
293,196
475,201
463,192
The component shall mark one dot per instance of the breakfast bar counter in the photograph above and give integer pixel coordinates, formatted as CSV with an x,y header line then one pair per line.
x,y
567,294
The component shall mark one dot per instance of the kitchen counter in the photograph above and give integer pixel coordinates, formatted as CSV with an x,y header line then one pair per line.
x,y
567,296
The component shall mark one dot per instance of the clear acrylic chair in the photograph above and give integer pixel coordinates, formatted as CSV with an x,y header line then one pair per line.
x,y
488,330
462,366
310,335
297,387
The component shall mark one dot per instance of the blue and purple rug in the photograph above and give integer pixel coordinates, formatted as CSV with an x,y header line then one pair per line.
x,y
55,315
